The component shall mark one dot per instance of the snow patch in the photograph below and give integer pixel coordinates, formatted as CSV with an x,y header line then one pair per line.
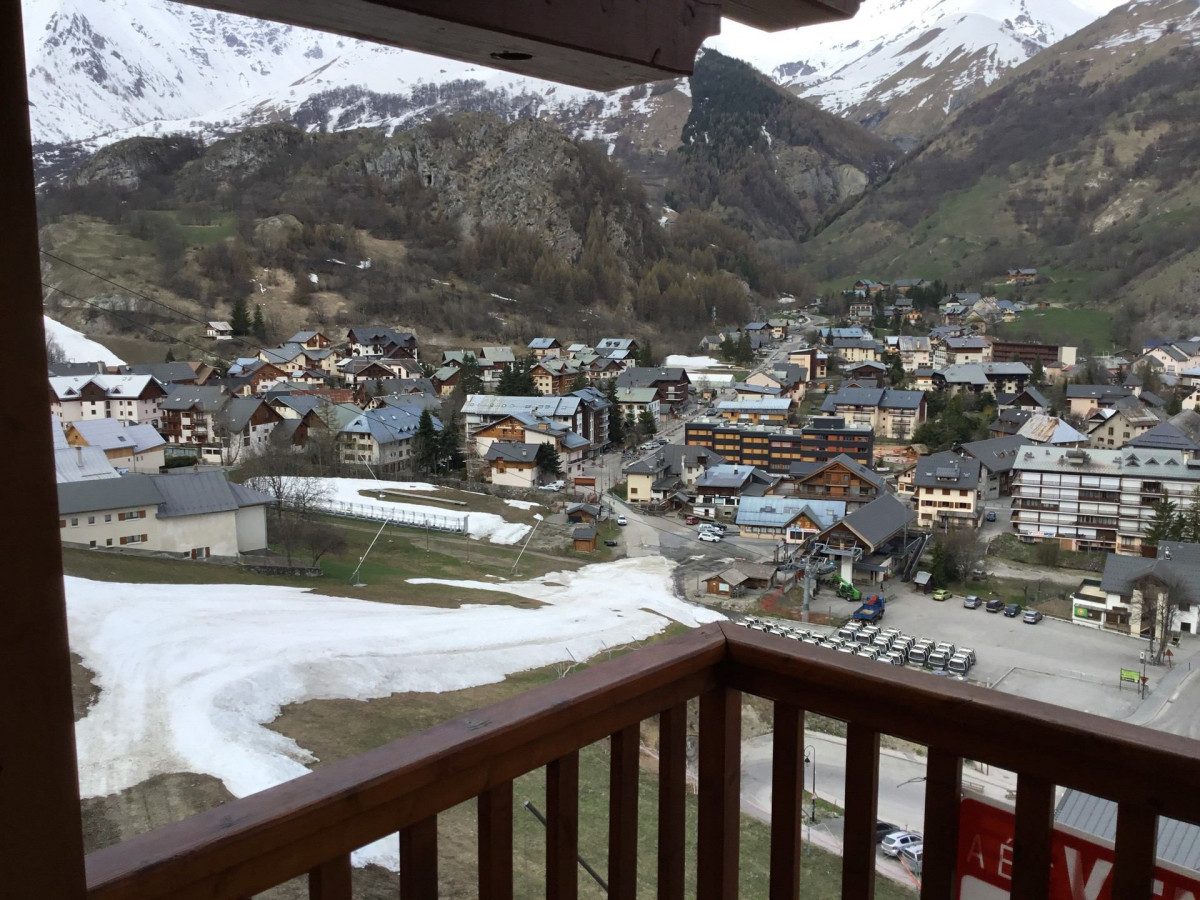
x,y
78,348
696,362
522,504
190,674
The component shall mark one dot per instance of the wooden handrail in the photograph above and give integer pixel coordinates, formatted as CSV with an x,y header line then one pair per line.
x,y
313,823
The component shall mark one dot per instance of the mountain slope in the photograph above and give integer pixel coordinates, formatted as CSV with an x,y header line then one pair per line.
x,y
1084,162
765,160
901,66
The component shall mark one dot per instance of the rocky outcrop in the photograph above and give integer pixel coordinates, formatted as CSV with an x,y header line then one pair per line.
x,y
126,163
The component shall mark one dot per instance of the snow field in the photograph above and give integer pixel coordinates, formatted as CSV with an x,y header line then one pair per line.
x,y
78,347
190,674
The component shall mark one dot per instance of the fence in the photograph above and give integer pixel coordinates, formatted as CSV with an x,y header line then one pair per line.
x,y
372,512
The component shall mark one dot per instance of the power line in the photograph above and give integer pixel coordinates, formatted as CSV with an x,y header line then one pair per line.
x,y
175,339
146,297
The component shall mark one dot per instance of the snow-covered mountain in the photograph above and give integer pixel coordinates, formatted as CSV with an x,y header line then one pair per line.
x,y
900,66
100,70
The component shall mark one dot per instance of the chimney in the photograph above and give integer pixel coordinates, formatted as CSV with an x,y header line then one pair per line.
x,y
79,455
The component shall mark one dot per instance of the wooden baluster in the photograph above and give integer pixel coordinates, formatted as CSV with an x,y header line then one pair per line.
x,y
562,828
623,813
720,802
943,795
1136,852
672,801
1032,833
495,814
418,861
331,880
862,790
787,801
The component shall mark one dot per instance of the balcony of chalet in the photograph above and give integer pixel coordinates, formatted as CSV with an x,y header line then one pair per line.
x,y
309,827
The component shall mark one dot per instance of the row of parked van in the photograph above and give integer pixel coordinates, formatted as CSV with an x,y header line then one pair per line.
x,y
888,645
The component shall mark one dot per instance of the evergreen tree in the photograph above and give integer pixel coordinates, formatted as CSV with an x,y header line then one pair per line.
x,y
425,444
1037,375
616,422
1166,525
170,357
646,423
645,355
449,448
1174,405
239,318
579,383
259,326
469,379
548,460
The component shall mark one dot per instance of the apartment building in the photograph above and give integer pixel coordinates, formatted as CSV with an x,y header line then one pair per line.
x,y
1097,499
893,414
946,491
776,449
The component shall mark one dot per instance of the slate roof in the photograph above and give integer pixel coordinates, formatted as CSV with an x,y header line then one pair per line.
x,y
237,413
947,470
863,472
1187,421
74,464
511,451
584,533
166,372
200,493
883,398
1164,436
499,405
107,493
777,512
879,520
1177,843
195,396
1176,560
112,434
543,343
1097,391
69,387
995,454
393,423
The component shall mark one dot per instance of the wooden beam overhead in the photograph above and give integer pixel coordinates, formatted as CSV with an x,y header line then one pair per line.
x,y
598,44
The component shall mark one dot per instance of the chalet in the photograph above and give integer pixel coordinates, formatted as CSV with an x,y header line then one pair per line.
x,y
812,360
904,285
1083,398
786,520
772,411
168,373
219,331
854,350
479,410
1129,591
958,350
1029,398
787,379
131,398
493,361
260,374
583,513
189,419
721,488
1051,431
1171,357
374,340
866,373
382,438
840,478
779,329
243,426
915,352
672,384
993,377
512,463
864,312
633,401
1117,426
865,287
287,357
672,469
310,340
359,370
541,347
1009,421
132,447
729,583
1021,276
553,376
872,541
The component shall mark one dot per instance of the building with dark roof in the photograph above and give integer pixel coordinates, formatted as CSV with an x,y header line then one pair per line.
x,y
996,457
775,449
840,478
1156,597
1176,843
198,515
891,413
946,491
873,541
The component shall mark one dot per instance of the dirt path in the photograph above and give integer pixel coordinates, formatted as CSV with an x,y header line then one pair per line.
x,y
1004,568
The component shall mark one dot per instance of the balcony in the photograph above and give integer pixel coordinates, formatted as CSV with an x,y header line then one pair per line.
x,y
310,826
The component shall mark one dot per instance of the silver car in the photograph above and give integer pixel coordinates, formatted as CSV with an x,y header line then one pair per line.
x,y
898,840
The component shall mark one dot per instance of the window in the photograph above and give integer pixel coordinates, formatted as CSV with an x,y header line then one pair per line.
x,y
108,542
108,517
74,522
91,520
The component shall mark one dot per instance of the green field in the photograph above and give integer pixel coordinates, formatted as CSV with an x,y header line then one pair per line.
x,y
1062,325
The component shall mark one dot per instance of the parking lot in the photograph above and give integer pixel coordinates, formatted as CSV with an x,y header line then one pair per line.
x,y
1053,660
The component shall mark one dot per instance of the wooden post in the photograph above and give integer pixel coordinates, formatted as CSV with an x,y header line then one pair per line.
x,y
41,852
787,801
672,800
720,795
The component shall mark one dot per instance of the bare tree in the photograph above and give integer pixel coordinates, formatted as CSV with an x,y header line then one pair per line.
x,y
1163,609
319,537
54,351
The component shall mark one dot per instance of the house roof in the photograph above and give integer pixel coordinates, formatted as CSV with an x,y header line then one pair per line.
x,y
511,451
199,493
543,343
995,454
1187,421
379,335
883,398
777,512
1152,464
879,520
238,411
107,493
74,464
69,387
112,434
1164,436
1096,391
863,472
390,424
166,372
642,395
195,396
584,533
726,476
592,509
1044,429
301,337
757,404
732,577
1177,843
947,470
499,405
1029,391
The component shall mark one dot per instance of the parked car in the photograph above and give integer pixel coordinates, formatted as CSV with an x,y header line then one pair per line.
x,y
1032,617
990,516
1012,610
692,520
942,594
972,602
912,856
553,486
621,520
710,537
610,543
994,605
893,843
883,829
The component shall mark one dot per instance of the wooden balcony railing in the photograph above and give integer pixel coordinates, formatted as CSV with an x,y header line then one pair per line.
x,y
312,824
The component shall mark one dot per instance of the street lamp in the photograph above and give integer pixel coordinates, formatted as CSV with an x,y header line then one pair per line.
x,y
810,756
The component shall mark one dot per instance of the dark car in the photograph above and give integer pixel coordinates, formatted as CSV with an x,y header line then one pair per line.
x,y
972,602
994,605
610,543
990,515
1012,610
1032,617
883,829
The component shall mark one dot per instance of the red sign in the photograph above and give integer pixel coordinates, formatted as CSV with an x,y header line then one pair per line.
x,y
1081,865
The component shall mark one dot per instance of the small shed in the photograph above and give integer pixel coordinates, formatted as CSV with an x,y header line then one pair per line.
x,y
923,582
583,513
758,575
730,583
585,538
